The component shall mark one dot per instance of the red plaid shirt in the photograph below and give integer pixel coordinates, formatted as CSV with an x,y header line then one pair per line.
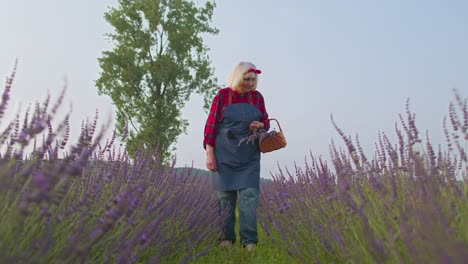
x,y
220,101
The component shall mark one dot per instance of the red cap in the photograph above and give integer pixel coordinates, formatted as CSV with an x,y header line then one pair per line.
x,y
253,70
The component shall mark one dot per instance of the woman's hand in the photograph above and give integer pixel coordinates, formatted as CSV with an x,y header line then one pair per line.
x,y
210,158
256,125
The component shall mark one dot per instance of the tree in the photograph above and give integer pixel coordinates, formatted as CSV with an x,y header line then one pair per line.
x,y
158,60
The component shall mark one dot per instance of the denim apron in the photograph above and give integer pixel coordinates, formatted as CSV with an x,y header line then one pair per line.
x,y
238,166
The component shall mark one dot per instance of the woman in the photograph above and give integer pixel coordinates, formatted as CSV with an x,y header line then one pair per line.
x,y
235,113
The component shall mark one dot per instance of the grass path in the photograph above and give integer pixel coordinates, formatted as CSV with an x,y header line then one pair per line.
x,y
265,252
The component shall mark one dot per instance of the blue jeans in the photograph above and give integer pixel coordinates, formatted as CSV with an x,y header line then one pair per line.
x,y
247,213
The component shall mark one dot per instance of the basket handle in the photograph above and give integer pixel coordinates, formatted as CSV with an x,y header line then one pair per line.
x,y
276,123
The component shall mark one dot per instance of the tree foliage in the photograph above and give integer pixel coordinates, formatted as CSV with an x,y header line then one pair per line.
x,y
158,60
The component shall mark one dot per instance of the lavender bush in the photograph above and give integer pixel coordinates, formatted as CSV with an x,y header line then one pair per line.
x,y
89,203
408,204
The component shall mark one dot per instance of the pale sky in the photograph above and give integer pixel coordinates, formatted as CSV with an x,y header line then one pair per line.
x,y
358,60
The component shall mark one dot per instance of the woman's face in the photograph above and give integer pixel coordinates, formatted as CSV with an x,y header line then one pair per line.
x,y
249,82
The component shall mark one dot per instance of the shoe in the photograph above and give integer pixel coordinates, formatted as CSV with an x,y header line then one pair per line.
x,y
225,244
250,247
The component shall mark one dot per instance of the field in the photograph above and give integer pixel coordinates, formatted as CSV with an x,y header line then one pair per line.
x,y
89,202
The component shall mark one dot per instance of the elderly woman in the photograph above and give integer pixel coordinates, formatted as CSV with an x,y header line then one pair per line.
x,y
235,113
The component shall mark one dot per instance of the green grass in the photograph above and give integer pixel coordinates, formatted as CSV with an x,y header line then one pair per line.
x,y
265,252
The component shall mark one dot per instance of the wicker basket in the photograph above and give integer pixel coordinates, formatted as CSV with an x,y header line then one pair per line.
x,y
273,140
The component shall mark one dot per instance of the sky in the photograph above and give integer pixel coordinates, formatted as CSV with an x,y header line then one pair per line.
x,y
356,60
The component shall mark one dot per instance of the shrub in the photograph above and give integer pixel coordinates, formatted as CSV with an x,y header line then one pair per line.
x,y
93,203
408,204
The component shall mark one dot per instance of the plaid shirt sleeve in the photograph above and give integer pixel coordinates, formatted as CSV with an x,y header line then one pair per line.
x,y
262,109
211,122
